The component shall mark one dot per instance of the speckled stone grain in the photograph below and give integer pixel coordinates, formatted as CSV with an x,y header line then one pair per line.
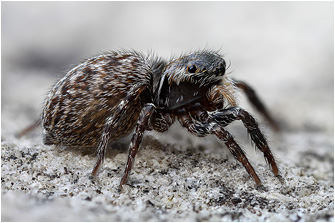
x,y
169,182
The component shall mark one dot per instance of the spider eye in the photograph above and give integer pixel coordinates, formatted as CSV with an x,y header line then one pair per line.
x,y
192,69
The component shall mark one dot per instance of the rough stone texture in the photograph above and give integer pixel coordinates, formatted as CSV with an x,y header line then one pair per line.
x,y
193,182
285,52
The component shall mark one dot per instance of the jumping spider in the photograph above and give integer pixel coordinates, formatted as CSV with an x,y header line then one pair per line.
x,y
106,97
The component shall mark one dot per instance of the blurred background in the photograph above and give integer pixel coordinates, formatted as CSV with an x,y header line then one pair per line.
x,y
285,50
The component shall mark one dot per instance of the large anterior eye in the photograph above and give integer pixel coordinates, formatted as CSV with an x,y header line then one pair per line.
x,y
192,69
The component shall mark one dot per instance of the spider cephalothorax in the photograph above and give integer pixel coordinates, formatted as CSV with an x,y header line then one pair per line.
x,y
195,69
108,96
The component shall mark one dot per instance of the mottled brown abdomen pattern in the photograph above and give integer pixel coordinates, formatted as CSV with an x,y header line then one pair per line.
x,y
77,107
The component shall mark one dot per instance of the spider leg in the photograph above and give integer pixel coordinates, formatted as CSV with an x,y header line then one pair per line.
x,y
203,129
136,140
29,128
226,116
198,113
256,102
112,121
197,129
236,150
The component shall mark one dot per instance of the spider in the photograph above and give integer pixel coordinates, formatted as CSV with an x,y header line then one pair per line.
x,y
109,96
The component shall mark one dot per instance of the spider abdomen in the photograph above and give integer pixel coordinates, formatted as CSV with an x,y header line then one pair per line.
x,y
76,109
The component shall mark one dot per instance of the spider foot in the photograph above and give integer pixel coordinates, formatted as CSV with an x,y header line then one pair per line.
x,y
261,188
281,179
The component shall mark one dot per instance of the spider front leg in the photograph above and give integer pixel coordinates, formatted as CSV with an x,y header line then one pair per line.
x,y
226,116
236,150
136,140
203,129
113,121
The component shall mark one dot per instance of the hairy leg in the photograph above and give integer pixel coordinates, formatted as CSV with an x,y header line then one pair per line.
x,y
112,121
226,116
256,102
203,129
236,150
161,121
136,140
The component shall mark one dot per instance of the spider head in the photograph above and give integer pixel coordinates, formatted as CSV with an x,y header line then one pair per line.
x,y
203,68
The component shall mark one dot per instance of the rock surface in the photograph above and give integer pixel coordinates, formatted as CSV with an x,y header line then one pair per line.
x,y
169,182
